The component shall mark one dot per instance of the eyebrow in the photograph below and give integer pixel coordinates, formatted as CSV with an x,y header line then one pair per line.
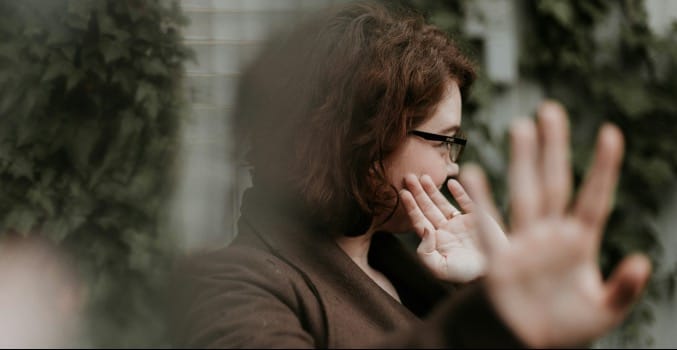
x,y
449,130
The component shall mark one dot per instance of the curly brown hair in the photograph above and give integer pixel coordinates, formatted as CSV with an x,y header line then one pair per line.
x,y
324,104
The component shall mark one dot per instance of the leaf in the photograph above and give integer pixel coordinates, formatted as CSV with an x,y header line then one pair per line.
x,y
152,105
21,167
59,37
81,145
8,101
20,220
57,229
154,67
559,9
127,81
74,79
79,13
139,258
40,197
633,99
9,51
68,52
32,32
27,133
37,50
119,148
106,24
112,50
56,70
6,152
143,90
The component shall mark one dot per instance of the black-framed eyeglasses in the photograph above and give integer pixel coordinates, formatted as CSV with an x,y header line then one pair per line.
x,y
455,144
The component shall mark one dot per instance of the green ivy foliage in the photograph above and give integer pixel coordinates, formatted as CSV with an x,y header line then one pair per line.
x,y
90,105
602,61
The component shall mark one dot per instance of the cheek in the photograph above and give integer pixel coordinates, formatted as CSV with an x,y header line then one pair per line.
x,y
436,170
418,162
438,175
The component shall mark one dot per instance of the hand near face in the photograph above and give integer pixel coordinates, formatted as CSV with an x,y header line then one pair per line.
x,y
546,283
449,245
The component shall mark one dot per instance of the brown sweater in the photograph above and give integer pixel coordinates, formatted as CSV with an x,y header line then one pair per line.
x,y
280,284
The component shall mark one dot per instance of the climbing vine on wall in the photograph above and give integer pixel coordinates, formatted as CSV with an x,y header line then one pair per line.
x,y
90,104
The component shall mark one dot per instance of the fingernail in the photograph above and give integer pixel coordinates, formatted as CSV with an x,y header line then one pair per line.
x,y
611,135
522,128
550,107
452,182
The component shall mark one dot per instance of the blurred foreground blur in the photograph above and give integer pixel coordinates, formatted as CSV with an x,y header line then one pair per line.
x,y
41,297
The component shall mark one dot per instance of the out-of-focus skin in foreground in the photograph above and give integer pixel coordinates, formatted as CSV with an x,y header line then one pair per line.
x,y
41,297
546,283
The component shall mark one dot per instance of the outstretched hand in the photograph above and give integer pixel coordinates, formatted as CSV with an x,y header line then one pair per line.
x,y
546,284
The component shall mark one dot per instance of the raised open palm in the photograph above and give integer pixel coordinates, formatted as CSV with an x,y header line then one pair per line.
x,y
449,245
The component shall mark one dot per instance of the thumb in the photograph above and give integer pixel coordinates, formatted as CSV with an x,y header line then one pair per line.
x,y
475,182
428,242
626,284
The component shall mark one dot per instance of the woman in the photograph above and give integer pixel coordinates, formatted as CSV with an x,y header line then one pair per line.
x,y
353,124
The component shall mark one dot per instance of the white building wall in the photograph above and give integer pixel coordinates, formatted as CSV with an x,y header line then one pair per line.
x,y
224,35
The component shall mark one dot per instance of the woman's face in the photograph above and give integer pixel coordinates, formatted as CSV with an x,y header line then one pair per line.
x,y
424,157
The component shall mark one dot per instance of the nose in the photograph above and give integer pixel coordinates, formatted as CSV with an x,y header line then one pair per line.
x,y
452,169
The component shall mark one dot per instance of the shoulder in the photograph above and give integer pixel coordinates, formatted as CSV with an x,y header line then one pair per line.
x,y
238,295
237,264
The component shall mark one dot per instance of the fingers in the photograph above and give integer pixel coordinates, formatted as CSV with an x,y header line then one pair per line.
x,y
462,198
593,203
466,202
626,284
555,169
523,176
475,182
424,202
421,224
447,209
415,214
